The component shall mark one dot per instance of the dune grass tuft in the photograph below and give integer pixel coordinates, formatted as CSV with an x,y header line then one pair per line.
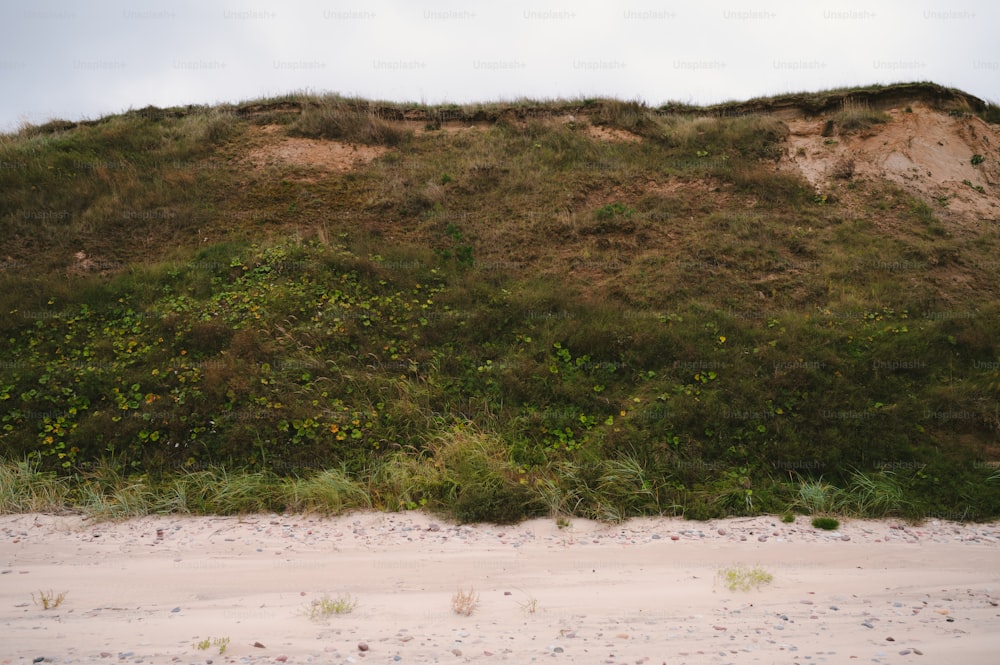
x,y
465,601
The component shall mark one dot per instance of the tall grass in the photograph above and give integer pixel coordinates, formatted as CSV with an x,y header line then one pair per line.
x,y
106,493
327,492
478,480
857,116
465,475
610,490
816,496
24,488
223,492
872,495
336,118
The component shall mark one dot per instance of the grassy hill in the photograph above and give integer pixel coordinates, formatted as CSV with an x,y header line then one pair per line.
x,y
586,307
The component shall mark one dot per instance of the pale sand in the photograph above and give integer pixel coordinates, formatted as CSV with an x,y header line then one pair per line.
x,y
602,593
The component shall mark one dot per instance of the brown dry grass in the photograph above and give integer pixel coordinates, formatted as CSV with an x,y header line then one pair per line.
x,y
465,602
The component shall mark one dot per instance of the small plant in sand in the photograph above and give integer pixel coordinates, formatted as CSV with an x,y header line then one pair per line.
x,y
743,578
49,600
529,606
465,602
788,518
222,643
826,523
324,607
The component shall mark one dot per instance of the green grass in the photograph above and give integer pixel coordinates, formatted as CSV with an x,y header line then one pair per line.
x,y
329,491
510,321
24,488
468,483
815,496
872,495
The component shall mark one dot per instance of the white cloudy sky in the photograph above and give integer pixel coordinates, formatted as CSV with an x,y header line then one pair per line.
x,y
77,59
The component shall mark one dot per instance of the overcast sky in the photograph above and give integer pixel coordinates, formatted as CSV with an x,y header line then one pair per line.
x,y
83,59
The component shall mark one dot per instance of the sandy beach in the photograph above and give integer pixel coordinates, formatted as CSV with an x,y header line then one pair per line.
x,y
150,590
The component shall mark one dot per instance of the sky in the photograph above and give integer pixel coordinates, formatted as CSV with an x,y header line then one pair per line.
x,y
79,59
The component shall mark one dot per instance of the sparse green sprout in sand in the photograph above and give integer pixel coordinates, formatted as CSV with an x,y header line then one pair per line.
x,y
324,607
788,518
743,578
529,606
49,600
826,523
221,642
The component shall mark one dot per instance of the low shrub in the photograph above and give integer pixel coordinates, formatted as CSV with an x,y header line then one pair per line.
x,y
826,523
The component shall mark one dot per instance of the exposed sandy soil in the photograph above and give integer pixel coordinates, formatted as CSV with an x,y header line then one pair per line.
x,y
148,590
611,134
926,151
274,149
